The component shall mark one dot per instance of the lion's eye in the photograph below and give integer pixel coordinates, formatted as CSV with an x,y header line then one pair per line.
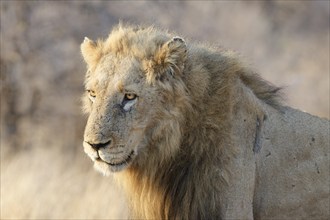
x,y
129,100
130,96
91,94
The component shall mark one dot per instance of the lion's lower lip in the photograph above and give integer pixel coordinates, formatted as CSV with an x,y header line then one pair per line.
x,y
126,161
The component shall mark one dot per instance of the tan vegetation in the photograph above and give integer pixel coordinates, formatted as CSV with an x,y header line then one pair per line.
x,y
44,173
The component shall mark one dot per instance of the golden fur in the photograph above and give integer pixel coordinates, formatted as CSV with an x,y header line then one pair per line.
x,y
192,133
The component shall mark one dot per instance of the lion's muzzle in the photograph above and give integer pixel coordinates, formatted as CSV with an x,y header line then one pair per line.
x,y
109,157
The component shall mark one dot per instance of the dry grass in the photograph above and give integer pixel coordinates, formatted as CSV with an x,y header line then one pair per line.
x,y
47,184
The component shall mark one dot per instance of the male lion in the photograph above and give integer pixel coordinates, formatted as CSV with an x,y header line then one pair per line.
x,y
192,133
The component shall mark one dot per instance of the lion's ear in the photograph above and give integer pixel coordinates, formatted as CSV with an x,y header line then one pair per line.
x,y
172,55
91,51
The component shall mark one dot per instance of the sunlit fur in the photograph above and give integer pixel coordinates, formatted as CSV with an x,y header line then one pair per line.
x,y
196,128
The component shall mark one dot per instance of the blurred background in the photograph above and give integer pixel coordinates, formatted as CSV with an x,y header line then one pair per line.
x,y
44,171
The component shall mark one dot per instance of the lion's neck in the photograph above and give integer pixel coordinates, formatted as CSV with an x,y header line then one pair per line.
x,y
174,188
151,192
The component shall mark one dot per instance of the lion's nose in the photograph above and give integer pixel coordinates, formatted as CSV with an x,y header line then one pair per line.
x,y
99,145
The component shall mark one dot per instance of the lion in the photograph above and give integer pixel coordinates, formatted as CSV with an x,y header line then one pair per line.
x,y
190,132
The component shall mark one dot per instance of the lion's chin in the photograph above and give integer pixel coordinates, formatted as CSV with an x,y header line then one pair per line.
x,y
106,168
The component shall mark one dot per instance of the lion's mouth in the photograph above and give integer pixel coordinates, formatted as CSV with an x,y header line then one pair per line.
x,y
127,160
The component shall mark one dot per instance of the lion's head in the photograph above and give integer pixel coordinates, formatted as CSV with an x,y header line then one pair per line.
x,y
134,97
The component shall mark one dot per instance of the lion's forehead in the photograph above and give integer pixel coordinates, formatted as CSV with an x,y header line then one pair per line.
x,y
111,69
115,74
